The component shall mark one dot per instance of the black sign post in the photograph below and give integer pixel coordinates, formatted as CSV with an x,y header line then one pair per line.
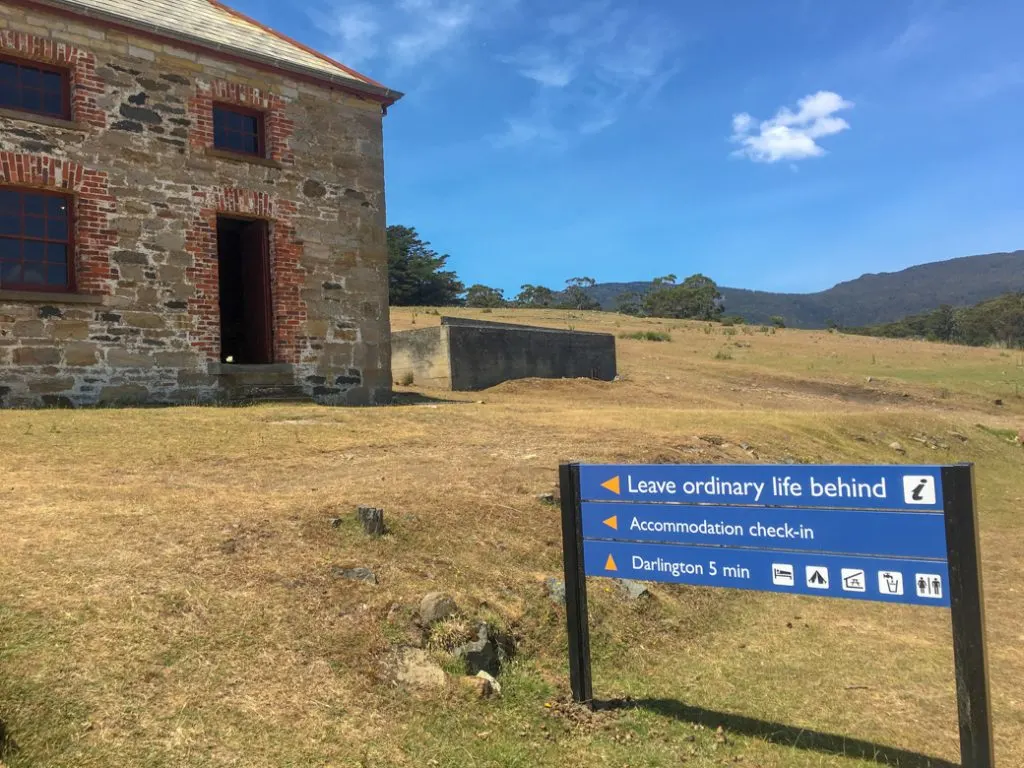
x,y
575,585
688,527
968,609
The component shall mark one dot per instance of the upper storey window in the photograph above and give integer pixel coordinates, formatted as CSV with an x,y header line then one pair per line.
x,y
36,88
35,241
238,130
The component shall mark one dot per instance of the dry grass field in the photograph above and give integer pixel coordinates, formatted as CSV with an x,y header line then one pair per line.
x,y
168,589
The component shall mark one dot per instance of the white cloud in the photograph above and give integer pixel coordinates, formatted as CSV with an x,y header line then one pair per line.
x,y
543,67
527,130
437,24
598,122
356,31
586,67
910,41
635,55
400,33
987,84
600,59
791,135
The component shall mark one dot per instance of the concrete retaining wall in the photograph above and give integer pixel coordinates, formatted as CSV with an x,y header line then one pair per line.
x,y
421,357
465,355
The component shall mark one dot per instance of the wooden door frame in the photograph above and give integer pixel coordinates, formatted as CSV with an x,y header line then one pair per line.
x,y
268,290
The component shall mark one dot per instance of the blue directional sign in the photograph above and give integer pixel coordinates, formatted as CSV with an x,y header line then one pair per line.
x,y
866,533
829,487
918,582
893,534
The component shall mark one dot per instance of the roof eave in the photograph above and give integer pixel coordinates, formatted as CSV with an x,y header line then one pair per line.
x,y
386,96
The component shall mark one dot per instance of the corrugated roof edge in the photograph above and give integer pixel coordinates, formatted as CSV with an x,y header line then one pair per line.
x,y
364,87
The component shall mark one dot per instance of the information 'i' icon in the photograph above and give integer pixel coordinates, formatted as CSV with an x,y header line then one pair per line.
x,y
919,489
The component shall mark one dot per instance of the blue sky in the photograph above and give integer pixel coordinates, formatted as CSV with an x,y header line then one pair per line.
x,y
783,145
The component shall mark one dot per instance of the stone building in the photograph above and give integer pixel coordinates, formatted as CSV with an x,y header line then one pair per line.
x,y
191,210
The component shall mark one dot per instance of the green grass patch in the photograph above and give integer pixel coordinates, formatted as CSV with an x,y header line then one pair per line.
x,y
1008,435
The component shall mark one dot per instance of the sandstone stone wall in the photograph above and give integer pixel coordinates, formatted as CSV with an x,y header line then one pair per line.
x,y
137,157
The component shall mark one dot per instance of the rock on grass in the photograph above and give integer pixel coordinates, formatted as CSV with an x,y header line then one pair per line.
x,y
354,574
416,669
437,606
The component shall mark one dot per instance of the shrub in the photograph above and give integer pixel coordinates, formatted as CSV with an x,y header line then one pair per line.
x,y
723,354
647,336
449,634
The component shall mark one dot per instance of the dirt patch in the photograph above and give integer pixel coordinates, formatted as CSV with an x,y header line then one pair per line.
x,y
857,394
550,386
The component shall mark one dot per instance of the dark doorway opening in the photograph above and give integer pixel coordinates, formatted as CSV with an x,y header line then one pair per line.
x,y
246,336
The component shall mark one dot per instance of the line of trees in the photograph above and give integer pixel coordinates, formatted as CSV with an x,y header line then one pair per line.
x,y
696,298
573,296
418,277
996,322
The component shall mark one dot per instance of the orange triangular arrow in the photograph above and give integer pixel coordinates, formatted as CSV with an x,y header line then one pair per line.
x,y
610,565
613,485
613,522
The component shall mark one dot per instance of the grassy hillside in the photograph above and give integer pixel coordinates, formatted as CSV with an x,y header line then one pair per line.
x,y
871,299
169,593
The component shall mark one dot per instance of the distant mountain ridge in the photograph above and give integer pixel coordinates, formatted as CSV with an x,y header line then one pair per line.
x,y
872,298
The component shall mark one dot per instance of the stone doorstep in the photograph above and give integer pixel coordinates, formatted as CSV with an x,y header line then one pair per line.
x,y
263,394
253,379
236,369
241,395
274,381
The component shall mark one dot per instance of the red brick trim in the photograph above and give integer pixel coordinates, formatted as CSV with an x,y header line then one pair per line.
x,y
204,306
277,126
85,83
287,275
95,235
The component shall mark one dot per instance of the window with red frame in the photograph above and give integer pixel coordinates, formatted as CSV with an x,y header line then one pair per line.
x,y
35,241
37,88
238,130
